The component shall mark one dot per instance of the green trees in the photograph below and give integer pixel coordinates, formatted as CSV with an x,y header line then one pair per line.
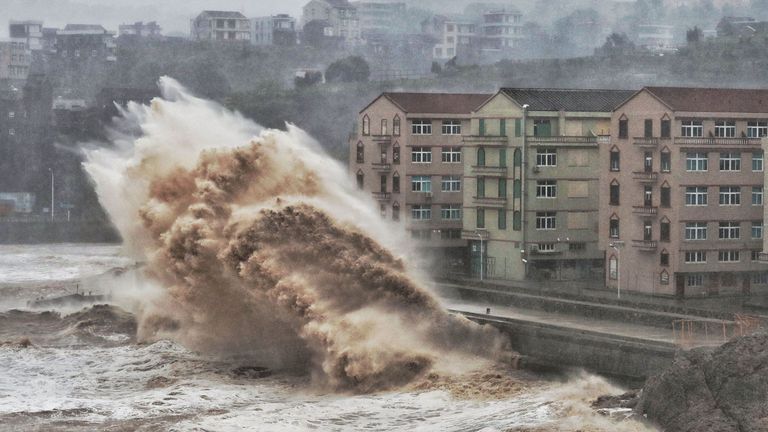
x,y
350,69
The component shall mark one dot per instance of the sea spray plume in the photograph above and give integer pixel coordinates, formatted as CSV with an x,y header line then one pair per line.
x,y
264,247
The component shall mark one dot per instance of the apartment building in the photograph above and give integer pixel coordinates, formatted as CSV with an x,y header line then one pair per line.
x,y
141,29
407,152
339,19
229,26
683,184
28,32
279,30
453,35
15,59
378,18
502,28
531,183
81,42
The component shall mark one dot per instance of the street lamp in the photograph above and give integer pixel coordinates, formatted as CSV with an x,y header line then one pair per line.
x,y
52,198
481,254
617,247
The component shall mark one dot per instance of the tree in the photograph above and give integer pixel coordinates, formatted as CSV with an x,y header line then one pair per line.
x,y
618,44
350,69
693,35
436,68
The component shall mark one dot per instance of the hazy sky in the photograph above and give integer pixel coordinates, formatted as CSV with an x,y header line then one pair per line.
x,y
172,15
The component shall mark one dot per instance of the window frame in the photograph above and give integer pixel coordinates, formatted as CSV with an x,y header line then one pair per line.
x,y
696,196
730,161
421,212
421,184
546,189
546,221
421,127
691,128
546,158
729,230
730,195
695,231
452,154
695,162
451,127
421,155
453,183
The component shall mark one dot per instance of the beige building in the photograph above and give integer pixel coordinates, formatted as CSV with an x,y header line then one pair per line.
x,y
229,26
407,151
531,183
683,181
15,60
340,17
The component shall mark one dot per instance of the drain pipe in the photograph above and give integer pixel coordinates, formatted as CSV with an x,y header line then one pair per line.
x,y
524,197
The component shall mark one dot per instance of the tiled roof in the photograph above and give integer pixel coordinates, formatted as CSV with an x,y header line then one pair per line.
x,y
437,103
84,27
223,14
569,99
694,99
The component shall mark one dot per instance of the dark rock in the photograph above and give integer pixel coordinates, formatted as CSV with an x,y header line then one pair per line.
x,y
722,390
251,372
627,400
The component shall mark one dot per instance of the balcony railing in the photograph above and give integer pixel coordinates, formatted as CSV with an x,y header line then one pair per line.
x,y
646,142
763,257
383,139
485,140
645,210
490,201
476,169
716,141
573,140
381,166
645,177
382,196
645,245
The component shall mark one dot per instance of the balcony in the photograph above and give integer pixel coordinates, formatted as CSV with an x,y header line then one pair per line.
x,y
382,167
645,245
485,140
490,202
763,257
563,141
645,177
489,170
382,139
717,141
382,196
645,210
646,142
474,234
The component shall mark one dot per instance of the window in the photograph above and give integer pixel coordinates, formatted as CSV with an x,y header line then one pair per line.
x,y
421,127
730,161
664,276
384,128
480,218
695,257
696,231
516,220
545,247
11,131
613,228
517,157
383,210
757,195
754,255
396,154
694,280
546,158
575,247
450,212
450,184
396,126
648,128
760,278
666,161
481,157
728,256
757,129
11,114
421,212
546,220
696,196
502,188
692,128
542,128
396,183
730,195
664,231
725,129
665,196
623,128
664,258
360,152
366,125
502,222
757,230
757,161
360,179
421,184
451,154
696,161
546,189
614,193
396,211
421,155
383,184
613,267
729,231
615,160
450,234
451,127
666,128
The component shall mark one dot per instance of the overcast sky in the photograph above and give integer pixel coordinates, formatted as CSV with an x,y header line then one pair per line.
x,y
172,15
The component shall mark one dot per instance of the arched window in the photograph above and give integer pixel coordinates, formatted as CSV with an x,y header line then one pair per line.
x,y
396,211
366,125
396,125
396,182
517,158
516,221
615,193
664,258
613,267
360,179
666,126
384,129
666,195
615,159
360,152
396,153
664,277
623,127
664,230
613,227
481,157
665,163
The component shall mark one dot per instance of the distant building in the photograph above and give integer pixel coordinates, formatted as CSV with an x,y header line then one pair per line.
x,y
81,42
379,18
656,38
338,17
277,30
29,32
502,29
48,41
741,27
141,29
15,60
453,35
221,26
16,202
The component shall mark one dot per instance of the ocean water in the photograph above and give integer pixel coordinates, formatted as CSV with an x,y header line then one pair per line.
x,y
86,372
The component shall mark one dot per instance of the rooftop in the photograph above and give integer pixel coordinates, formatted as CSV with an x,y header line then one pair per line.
x,y
339,3
694,99
222,14
569,99
437,103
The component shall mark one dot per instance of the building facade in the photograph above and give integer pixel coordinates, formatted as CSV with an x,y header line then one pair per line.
x,y
683,181
277,30
15,60
81,42
339,17
453,35
531,184
378,18
407,152
502,29
28,32
225,26
141,29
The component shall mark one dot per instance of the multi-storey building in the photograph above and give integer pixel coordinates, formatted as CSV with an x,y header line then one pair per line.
x,y
81,42
407,151
683,181
502,28
339,18
15,59
378,18
229,26
277,30
531,182
141,30
453,34
28,32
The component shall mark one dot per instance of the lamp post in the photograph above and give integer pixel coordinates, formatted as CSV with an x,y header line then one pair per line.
x,y
53,214
481,254
617,247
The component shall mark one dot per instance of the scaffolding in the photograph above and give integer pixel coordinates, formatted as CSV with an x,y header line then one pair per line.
x,y
702,332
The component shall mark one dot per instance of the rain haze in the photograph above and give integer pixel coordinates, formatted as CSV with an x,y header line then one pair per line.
x,y
433,215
